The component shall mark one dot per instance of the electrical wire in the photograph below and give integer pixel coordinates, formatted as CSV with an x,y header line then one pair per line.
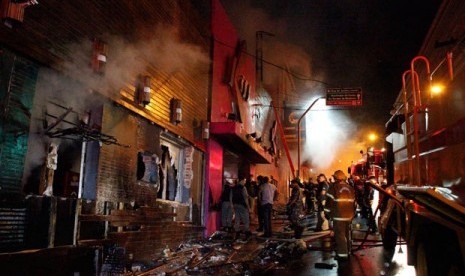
x,y
296,75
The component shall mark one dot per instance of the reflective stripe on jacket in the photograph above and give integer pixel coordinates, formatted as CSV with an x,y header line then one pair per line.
x,y
342,197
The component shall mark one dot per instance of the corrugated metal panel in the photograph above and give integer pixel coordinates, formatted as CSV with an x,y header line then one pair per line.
x,y
12,228
15,116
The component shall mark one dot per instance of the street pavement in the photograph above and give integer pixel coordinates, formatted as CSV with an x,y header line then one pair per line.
x,y
368,255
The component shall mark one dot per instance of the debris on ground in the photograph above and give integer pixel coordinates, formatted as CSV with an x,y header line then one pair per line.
x,y
222,255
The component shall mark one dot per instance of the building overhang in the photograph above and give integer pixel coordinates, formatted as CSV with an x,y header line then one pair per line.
x,y
395,124
232,136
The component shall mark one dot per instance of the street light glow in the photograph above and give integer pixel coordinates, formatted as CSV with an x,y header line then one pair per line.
x,y
372,137
437,89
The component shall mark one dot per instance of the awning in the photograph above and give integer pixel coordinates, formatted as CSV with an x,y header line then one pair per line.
x,y
232,136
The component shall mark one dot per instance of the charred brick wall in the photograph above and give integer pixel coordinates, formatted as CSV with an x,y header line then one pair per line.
x,y
117,183
117,169
150,242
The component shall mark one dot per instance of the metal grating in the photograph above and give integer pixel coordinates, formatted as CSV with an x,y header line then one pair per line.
x,y
12,228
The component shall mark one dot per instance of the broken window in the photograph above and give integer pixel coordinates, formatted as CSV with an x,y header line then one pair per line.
x,y
170,164
148,169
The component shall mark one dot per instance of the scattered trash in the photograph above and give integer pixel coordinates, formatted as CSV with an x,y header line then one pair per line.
x,y
220,254
167,252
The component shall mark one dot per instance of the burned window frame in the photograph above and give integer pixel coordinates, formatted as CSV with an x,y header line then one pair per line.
x,y
147,171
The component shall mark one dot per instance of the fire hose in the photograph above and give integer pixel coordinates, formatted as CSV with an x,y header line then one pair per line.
x,y
385,193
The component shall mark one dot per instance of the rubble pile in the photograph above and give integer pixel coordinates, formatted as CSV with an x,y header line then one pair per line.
x,y
283,251
221,255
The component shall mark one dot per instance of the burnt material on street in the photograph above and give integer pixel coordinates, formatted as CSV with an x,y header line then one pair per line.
x,y
225,253
281,254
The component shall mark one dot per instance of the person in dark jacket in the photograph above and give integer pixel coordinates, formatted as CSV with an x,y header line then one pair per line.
x,y
368,195
259,205
341,197
240,200
359,188
295,209
322,220
227,206
310,199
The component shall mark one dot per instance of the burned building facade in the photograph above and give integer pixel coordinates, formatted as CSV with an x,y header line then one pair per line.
x,y
241,120
102,109
121,121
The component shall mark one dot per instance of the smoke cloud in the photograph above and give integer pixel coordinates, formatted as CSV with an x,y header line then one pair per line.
x,y
301,44
76,86
127,59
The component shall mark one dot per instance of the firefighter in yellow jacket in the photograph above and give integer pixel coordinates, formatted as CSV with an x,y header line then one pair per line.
x,y
342,204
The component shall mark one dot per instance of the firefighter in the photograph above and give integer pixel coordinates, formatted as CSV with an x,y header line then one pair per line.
x,y
322,214
359,188
341,197
227,206
368,195
239,198
295,209
310,198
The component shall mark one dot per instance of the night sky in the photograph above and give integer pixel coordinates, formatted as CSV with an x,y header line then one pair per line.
x,y
341,43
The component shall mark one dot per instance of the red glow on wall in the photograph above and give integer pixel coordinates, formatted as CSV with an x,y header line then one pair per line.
x,y
232,67
214,183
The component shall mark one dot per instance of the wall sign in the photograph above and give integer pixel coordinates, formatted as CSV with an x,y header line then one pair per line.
x,y
188,171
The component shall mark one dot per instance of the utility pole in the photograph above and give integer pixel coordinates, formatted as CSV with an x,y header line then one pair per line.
x,y
259,54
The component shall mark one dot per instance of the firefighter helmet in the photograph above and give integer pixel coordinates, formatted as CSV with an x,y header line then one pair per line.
x,y
339,175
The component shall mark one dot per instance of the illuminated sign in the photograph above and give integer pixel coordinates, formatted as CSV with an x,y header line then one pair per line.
x,y
291,117
344,96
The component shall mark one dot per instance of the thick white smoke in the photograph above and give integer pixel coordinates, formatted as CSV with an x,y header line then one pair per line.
x,y
328,133
74,85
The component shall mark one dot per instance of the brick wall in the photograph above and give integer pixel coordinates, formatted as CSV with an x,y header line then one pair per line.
x,y
117,183
117,169
150,243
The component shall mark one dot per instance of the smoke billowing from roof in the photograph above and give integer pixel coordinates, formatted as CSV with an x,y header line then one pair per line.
x,y
76,86
304,48
127,59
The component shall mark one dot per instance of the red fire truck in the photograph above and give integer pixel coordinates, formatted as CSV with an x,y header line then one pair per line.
x,y
372,163
425,154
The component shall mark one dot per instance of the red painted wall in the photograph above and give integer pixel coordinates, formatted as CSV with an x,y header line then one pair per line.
x,y
224,36
225,44
214,185
228,66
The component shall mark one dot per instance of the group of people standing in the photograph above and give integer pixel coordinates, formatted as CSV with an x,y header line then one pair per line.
x,y
239,198
315,199
335,202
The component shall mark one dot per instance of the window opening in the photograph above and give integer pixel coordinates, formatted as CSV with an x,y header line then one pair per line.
x,y
171,166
